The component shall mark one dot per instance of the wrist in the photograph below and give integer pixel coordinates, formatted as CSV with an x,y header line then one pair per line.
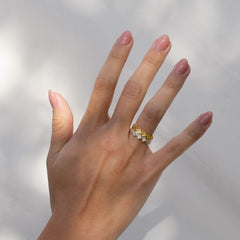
x,y
63,226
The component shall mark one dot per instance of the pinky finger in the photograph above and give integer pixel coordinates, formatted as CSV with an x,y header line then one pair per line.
x,y
179,144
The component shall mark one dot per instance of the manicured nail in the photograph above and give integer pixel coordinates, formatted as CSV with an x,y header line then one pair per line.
x,y
125,38
181,67
161,43
52,99
205,118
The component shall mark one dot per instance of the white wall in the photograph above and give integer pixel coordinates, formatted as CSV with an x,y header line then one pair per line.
x,y
61,45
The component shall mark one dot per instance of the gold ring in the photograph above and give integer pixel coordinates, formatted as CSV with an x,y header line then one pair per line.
x,y
140,134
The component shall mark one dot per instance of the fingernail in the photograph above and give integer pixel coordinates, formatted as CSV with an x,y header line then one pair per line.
x,y
52,99
181,67
205,118
125,38
161,43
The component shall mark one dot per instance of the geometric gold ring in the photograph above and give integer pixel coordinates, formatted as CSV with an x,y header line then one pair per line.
x,y
140,134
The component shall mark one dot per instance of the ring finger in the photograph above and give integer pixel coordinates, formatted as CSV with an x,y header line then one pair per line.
x,y
160,102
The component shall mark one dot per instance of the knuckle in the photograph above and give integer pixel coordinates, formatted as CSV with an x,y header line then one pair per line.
x,y
153,60
173,83
57,124
132,89
118,56
110,139
103,83
193,133
174,148
150,112
110,144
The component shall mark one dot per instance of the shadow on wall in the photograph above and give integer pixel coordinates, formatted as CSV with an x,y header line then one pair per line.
x,y
46,44
143,224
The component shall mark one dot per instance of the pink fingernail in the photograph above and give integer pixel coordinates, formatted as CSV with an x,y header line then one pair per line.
x,y
52,99
161,43
181,67
125,38
205,118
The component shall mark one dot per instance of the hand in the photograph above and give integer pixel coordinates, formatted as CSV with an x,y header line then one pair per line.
x,y
100,176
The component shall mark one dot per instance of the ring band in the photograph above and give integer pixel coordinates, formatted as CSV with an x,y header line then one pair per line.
x,y
140,134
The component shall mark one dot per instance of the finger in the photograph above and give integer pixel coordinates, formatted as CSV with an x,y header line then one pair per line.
x,y
160,102
179,144
136,88
62,122
107,78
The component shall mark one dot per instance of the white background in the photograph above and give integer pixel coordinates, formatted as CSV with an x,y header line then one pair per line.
x,y
61,45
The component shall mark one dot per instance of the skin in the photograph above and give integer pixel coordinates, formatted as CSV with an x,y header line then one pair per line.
x,y
101,175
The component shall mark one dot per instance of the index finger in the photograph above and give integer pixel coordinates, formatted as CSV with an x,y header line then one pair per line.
x,y
107,78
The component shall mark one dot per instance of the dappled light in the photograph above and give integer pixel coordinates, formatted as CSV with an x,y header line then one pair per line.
x,y
61,45
89,8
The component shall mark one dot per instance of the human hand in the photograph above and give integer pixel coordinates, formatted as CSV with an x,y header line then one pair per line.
x,y
100,176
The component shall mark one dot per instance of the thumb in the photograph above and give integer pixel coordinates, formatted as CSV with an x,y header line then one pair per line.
x,y
62,122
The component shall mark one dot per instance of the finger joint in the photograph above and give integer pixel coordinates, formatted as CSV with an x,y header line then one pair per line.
x,y
116,56
150,112
174,148
132,89
193,134
173,83
153,60
104,83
